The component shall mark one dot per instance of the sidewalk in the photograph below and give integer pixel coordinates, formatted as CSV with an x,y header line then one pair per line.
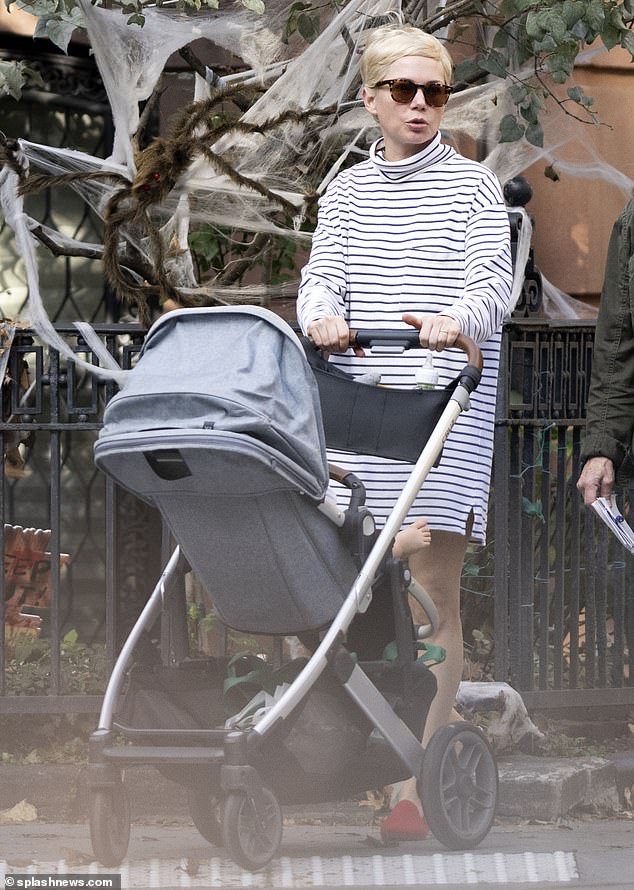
x,y
531,787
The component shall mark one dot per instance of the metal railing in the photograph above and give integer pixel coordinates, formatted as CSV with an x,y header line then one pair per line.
x,y
52,412
563,624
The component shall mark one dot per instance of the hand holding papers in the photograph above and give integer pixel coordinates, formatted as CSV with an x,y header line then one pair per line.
x,y
608,511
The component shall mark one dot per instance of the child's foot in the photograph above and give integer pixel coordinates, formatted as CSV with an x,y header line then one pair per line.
x,y
411,539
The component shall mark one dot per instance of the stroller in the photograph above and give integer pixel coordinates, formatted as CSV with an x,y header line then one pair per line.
x,y
220,427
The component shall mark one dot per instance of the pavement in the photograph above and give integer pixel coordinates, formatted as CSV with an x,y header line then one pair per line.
x,y
531,787
560,821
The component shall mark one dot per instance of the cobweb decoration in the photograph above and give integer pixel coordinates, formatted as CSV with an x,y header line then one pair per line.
x,y
131,59
13,209
263,173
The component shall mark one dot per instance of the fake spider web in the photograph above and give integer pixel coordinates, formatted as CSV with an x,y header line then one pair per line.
x,y
260,174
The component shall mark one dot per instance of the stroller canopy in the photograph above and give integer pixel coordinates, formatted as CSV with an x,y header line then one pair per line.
x,y
230,369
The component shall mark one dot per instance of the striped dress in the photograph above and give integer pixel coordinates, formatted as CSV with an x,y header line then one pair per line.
x,y
428,234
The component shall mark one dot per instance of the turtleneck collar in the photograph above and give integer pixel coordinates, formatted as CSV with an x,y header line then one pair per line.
x,y
432,154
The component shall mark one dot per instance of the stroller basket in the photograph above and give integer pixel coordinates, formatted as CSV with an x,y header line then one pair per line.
x,y
376,420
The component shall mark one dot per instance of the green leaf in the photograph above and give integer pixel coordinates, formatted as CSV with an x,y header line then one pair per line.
x,y
432,653
59,33
511,8
610,36
594,15
627,42
572,12
292,20
467,70
308,26
205,244
59,28
547,44
575,93
495,63
471,569
533,509
535,134
38,7
256,6
555,25
518,93
530,104
501,39
561,64
616,17
12,78
510,129
529,113
581,32
532,26
299,7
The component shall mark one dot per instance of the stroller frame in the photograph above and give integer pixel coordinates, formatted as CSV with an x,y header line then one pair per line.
x,y
249,806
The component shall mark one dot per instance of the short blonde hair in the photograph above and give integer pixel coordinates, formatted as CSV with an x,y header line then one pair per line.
x,y
391,42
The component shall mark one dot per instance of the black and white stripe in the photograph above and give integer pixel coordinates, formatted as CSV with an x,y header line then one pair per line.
x,y
425,235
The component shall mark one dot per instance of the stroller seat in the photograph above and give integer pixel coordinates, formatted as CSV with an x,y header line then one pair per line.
x,y
234,458
270,561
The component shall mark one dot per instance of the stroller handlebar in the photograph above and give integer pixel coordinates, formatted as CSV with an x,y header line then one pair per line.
x,y
409,340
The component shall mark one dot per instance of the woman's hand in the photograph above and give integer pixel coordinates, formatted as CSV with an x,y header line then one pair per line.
x,y
331,334
436,331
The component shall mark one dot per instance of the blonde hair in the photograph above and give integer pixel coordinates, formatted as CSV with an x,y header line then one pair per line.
x,y
391,42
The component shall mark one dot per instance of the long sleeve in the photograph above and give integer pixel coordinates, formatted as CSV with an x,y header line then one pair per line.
x,y
324,278
610,410
488,266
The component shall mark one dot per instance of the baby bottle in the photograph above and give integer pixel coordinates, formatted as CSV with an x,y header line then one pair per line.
x,y
426,375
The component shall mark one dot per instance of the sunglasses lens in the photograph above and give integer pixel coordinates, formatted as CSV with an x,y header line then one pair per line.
x,y
403,91
436,94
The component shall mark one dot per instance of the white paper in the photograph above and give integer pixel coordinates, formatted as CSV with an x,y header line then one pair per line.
x,y
608,511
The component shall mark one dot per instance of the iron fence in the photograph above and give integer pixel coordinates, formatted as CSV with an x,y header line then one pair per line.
x,y
562,615
52,413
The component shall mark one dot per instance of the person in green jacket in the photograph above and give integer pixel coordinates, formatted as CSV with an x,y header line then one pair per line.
x,y
608,444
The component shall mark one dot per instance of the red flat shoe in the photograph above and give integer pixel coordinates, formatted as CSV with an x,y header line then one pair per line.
x,y
404,823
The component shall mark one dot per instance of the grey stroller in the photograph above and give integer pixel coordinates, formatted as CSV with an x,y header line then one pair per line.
x,y
220,427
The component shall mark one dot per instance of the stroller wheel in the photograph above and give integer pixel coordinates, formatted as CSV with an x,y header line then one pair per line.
x,y
459,785
252,839
109,815
206,812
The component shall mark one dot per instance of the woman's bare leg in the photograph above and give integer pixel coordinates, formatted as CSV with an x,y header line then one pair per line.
x,y
438,569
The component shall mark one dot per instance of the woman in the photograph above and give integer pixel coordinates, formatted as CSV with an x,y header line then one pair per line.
x,y
417,235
